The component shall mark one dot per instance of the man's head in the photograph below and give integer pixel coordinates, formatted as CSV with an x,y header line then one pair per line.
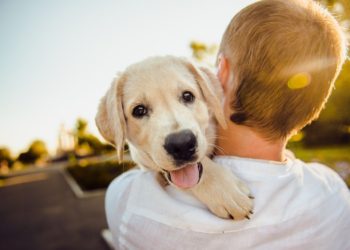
x,y
278,63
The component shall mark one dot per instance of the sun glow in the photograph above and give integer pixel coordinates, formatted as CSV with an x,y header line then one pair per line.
x,y
299,81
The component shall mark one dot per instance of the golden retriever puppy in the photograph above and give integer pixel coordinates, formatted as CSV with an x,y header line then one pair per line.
x,y
166,109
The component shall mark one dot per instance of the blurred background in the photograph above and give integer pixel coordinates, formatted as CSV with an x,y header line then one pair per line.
x,y
57,60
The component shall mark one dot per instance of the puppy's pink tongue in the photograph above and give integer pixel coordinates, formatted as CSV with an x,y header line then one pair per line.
x,y
185,177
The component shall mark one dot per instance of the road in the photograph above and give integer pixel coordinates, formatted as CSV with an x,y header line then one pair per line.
x,y
39,211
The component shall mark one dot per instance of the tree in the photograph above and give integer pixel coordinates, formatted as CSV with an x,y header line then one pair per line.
x,y
203,52
81,126
36,151
5,156
341,7
87,143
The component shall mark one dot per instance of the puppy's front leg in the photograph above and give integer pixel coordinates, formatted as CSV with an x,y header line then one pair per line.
x,y
224,194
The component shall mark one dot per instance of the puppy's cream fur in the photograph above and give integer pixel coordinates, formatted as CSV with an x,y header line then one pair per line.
x,y
158,83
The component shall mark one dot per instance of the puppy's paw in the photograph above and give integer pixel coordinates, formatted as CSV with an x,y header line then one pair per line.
x,y
231,200
223,193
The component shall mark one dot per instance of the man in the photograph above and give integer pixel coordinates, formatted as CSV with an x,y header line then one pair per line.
x,y
277,64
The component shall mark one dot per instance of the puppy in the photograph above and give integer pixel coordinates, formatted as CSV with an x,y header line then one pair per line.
x,y
166,109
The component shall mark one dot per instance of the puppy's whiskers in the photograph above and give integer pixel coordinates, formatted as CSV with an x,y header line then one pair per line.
x,y
217,148
215,137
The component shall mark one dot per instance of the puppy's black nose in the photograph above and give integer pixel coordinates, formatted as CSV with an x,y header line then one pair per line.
x,y
181,146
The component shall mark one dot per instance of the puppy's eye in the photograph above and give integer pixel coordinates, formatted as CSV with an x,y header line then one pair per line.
x,y
187,97
139,111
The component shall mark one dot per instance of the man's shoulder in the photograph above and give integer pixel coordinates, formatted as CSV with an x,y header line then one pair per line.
x,y
323,174
294,185
321,186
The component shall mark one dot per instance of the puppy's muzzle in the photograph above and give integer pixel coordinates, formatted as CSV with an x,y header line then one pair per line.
x,y
181,146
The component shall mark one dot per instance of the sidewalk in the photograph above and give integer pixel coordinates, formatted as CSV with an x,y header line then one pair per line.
x,y
39,211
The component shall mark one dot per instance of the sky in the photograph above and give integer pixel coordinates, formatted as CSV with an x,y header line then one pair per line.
x,y
57,58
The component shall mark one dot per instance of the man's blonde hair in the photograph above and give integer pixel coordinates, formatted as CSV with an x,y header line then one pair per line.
x,y
285,56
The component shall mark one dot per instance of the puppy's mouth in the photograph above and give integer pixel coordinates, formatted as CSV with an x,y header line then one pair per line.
x,y
187,176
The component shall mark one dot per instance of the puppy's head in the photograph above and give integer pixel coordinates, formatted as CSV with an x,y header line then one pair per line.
x,y
164,108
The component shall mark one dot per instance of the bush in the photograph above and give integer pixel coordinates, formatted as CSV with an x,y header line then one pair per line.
x,y
97,175
5,156
36,151
326,134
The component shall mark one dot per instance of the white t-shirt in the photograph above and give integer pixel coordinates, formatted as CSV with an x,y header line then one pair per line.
x,y
296,206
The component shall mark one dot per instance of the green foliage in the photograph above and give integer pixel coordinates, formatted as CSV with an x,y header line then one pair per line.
x,y
203,52
38,148
5,156
81,126
338,106
326,155
87,143
333,125
97,175
341,8
37,151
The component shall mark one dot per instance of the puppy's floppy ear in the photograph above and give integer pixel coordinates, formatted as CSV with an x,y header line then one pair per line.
x,y
211,90
110,118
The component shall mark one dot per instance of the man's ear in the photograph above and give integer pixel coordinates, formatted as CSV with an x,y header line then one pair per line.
x,y
223,73
110,119
211,90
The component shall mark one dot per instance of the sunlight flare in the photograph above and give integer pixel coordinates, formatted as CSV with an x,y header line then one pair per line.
x,y
299,81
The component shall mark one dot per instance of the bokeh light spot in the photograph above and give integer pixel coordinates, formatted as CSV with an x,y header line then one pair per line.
x,y
299,81
297,137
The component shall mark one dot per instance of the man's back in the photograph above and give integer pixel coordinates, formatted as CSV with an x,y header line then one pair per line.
x,y
297,206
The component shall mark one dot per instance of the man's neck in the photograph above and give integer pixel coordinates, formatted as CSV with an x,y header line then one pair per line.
x,y
244,142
